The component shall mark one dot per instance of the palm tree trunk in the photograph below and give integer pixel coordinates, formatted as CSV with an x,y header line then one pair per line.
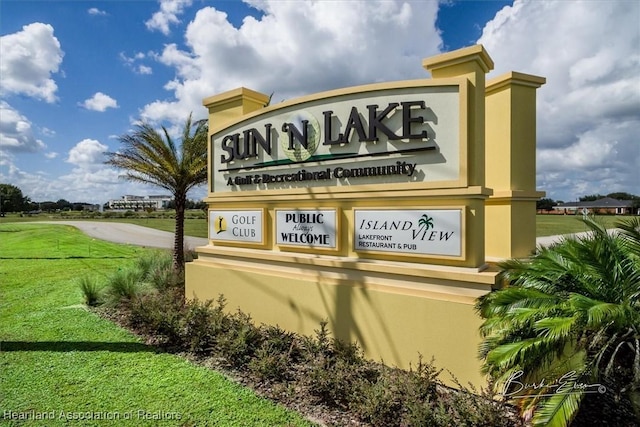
x,y
178,244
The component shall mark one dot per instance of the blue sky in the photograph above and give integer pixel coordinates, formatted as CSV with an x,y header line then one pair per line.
x,y
74,75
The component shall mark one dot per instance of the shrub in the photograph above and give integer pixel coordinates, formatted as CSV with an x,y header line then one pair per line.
x,y
270,365
159,315
332,372
320,345
334,369
146,263
91,291
124,285
157,270
479,408
399,397
200,333
190,254
276,355
431,412
241,341
381,403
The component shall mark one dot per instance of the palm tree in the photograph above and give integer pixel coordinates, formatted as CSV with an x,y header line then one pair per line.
x,y
152,157
568,324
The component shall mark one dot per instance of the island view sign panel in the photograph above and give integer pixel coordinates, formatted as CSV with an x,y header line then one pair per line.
x,y
415,231
391,135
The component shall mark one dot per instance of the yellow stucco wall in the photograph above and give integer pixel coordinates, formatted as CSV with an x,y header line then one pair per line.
x,y
511,165
395,306
394,317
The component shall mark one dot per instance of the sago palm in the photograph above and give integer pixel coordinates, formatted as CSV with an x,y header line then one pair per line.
x,y
567,323
153,157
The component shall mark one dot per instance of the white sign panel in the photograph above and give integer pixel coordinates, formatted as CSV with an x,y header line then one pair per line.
x,y
311,228
415,231
393,135
236,226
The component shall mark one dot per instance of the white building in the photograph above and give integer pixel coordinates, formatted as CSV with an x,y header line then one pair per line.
x,y
135,203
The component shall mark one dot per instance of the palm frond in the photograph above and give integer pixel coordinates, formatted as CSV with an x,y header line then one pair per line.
x,y
555,328
630,233
529,353
579,297
499,303
597,312
153,157
559,409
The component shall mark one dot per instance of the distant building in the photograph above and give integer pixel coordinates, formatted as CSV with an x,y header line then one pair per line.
x,y
135,203
606,205
89,207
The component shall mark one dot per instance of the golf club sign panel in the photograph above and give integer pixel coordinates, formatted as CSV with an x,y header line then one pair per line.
x,y
414,231
363,135
236,226
309,228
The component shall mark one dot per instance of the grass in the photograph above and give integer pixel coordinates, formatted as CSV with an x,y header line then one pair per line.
x,y
196,227
57,358
550,225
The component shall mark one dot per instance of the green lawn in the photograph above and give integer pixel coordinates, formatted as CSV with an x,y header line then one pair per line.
x,y
550,225
59,361
196,227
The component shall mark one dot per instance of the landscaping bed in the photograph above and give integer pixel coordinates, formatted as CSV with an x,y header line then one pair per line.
x,y
327,380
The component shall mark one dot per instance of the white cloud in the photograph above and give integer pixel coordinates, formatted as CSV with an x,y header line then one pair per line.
x,y
51,155
94,11
167,15
16,133
88,181
29,58
131,59
90,184
589,110
131,62
87,154
48,132
603,160
297,48
143,69
99,102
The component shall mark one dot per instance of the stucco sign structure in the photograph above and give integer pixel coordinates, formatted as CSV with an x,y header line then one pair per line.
x,y
379,208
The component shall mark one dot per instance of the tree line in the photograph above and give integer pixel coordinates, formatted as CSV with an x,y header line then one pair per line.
x,y
547,204
13,200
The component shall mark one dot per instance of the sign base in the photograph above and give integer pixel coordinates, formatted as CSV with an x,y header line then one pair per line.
x,y
395,311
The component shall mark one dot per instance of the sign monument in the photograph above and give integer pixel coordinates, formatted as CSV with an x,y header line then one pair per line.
x,y
378,207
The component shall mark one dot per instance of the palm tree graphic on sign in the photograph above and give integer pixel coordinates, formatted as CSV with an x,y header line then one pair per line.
x,y
425,223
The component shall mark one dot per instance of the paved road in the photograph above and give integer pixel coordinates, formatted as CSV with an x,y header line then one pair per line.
x,y
549,240
120,232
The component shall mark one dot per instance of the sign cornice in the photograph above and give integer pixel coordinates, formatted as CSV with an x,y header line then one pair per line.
x,y
334,93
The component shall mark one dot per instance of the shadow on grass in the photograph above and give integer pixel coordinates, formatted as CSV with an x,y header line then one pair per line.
x,y
68,346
